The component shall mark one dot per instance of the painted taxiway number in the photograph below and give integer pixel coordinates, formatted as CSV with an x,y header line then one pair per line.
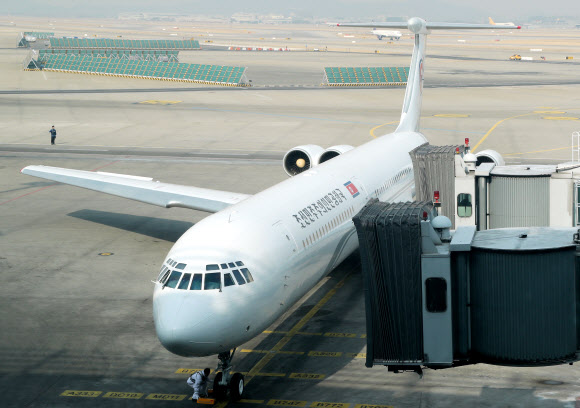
x,y
349,335
329,405
287,403
372,406
166,397
356,355
125,395
154,102
307,376
325,353
88,394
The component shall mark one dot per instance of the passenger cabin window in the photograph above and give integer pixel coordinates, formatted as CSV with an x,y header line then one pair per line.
x,y
212,281
238,277
212,267
464,205
228,280
184,284
173,279
196,282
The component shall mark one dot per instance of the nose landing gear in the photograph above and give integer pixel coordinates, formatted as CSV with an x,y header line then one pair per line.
x,y
224,381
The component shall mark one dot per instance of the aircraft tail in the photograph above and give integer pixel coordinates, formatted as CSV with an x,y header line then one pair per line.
x,y
411,112
491,21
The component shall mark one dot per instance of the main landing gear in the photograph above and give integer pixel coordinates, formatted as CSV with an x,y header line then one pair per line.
x,y
224,381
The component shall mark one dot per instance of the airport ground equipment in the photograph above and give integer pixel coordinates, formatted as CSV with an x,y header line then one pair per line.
x,y
28,37
439,300
112,44
167,71
365,76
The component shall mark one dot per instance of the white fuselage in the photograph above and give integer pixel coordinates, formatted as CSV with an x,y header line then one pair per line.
x,y
393,35
288,236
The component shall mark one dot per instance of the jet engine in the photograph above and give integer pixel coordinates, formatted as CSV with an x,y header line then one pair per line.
x,y
489,156
301,158
334,151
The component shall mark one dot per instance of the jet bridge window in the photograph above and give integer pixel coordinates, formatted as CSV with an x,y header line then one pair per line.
x,y
184,284
464,208
196,282
173,279
436,295
212,281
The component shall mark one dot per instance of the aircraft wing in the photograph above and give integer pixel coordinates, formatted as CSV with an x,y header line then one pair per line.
x,y
142,189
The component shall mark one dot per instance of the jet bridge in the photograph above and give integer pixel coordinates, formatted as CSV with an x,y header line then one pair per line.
x,y
438,298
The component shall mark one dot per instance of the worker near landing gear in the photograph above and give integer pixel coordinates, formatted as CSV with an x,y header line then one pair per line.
x,y
198,381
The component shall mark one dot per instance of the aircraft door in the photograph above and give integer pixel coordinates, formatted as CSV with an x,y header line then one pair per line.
x,y
290,249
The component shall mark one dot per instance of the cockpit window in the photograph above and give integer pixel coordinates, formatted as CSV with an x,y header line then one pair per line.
x,y
180,266
212,267
238,277
231,264
184,284
165,276
212,281
239,263
173,279
196,282
224,266
228,280
163,270
247,275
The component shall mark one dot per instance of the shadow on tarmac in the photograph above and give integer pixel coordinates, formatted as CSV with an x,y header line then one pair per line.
x,y
160,228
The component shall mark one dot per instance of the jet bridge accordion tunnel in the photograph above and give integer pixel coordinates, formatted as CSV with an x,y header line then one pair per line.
x,y
439,299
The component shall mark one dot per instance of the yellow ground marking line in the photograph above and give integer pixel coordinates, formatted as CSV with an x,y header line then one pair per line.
x,y
538,151
451,115
559,118
372,131
324,353
496,125
266,359
190,370
551,111
372,406
319,404
307,376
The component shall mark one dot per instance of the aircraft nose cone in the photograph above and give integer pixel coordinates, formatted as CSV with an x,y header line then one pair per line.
x,y
182,331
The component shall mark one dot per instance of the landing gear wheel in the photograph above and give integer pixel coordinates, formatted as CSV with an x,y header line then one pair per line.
x,y
219,391
236,386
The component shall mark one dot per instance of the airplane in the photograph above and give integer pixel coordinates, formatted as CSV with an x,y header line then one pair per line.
x,y
393,35
235,272
512,25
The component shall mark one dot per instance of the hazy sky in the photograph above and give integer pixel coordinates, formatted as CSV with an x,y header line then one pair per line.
x,y
470,11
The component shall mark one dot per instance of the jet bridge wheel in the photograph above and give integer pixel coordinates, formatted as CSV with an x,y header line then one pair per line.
x,y
236,386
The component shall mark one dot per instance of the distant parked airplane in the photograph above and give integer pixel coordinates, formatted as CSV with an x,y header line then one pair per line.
x,y
393,35
501,24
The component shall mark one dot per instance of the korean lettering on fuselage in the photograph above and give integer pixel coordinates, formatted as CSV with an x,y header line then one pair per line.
x,y
320,208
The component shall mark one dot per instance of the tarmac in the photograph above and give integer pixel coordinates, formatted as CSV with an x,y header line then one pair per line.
x,y
75,302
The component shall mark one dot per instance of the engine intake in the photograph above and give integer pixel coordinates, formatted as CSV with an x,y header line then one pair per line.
x,y
301,158
334,151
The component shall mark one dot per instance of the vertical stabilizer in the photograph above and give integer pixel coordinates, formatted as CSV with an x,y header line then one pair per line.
x,y
414,93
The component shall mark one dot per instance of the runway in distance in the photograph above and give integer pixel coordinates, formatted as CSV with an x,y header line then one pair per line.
x,y
234,273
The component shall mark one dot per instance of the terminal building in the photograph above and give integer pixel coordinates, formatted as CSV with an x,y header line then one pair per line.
x,y
483,268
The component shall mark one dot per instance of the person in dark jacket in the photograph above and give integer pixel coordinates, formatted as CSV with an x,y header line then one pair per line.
x,y
52,132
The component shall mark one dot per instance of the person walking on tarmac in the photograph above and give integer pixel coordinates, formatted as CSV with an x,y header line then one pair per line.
x,y
198,381
52,132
